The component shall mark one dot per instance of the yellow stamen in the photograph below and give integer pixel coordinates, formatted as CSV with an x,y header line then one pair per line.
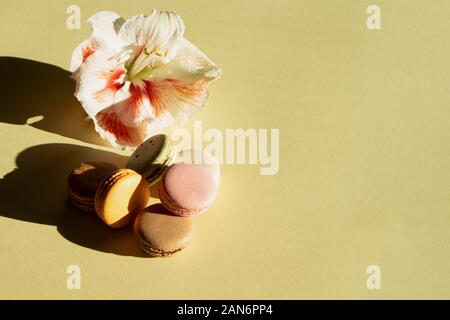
x,y
157,50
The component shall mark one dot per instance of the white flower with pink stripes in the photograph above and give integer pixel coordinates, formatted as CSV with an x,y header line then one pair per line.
x,y
138,76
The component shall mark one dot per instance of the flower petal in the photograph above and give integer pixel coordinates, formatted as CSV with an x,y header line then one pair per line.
x,y
128,123
83,51
105,26
110,125
134,110
157,29
189,64
125,123
181,86
101,81
195,63
179,98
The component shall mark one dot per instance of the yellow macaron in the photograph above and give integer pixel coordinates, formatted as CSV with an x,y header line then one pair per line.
x,y
120,197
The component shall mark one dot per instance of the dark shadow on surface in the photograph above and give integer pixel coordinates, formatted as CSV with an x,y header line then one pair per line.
x,y
29,89
36,191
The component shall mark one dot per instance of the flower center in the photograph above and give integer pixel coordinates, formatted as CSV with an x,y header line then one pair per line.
x,y
143,65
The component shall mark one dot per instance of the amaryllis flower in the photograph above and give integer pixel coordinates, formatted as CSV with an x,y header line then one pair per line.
x,y
139,76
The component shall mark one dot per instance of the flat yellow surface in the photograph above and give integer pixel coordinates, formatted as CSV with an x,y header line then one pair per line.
x,y
364,119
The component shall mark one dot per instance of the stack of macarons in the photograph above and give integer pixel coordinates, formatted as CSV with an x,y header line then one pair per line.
x,y
186,183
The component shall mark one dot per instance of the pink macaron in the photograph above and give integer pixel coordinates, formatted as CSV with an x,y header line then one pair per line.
x,y
187,189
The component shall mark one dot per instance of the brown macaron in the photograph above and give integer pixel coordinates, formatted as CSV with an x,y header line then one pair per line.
x,y
161,234
83,182
120,197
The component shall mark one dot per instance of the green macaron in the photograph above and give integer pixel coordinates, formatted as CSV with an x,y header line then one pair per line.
x,y
152,158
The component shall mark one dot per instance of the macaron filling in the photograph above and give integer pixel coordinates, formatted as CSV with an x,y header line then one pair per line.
x,y
157,170
156,252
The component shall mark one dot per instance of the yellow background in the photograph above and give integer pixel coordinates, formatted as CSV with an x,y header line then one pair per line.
x,y
364,176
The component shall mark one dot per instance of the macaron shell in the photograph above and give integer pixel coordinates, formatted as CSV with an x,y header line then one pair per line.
x,y
203,158
160,233
152,157
85,207
187,189
120,197
175,208
84,180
